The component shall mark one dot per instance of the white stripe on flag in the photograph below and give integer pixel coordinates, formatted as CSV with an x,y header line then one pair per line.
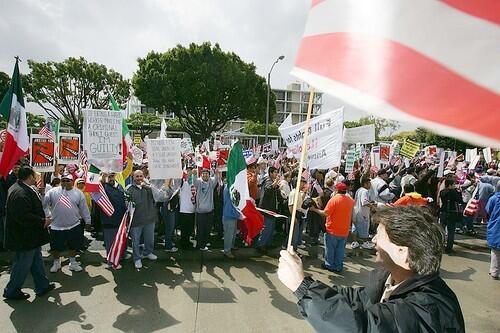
x,y
424,26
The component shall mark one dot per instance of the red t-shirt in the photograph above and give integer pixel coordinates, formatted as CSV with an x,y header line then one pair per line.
x,y
338,215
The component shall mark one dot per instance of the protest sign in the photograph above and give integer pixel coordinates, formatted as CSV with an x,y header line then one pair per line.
x,y
325,139
42,153
164,157
474,162
69,148
431,150
375,156
266,148
137,155
385,152
102,138
470,154
274,145
487,154
361,134
358,150
441,165
409,149
186,146
222,156
137,139
350,157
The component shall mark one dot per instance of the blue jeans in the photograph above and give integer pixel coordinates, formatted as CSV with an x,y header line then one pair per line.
x,y
203,226
334,252
148,233
109,236
169,219
23,263
229,233
266,235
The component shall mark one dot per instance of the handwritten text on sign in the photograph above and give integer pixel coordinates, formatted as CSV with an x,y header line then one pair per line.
x,y
103,133
164,157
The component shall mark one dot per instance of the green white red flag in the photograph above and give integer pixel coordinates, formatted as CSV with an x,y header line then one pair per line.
x,y
126,139
12,109
240,195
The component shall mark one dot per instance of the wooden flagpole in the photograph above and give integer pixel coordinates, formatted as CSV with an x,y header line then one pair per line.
x,y
301,165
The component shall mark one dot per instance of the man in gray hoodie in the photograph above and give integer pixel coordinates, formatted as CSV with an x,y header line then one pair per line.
x,y
204,206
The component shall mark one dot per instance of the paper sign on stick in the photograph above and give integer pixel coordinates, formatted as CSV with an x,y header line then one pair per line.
x,y
42,153
164,157
69,148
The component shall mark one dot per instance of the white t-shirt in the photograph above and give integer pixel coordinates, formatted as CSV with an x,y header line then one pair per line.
x,y
362,198
185,203
291,198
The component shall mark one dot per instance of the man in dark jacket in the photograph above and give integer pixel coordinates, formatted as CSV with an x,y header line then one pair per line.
x,y
110,224
406,296
268,201
26,232
451,212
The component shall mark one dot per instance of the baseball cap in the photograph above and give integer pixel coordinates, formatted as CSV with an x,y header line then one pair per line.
x,y
341,186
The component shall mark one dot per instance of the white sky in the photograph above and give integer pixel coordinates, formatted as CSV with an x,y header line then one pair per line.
x,y
117,32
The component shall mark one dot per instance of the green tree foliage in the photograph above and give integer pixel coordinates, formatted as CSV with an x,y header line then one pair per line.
x,y
174,125
257,128
423,135
381,125
203,86
33,121
4,84
63,89
144,123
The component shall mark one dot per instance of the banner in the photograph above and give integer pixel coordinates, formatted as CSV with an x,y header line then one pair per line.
x,y
325,139
69,148
350,157
410,149
385,152
164,158
42,153
102,138
362,134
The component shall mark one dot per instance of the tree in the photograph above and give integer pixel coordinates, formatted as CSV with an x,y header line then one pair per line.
x,y
63,89
425,136
174,124
257,128
203,86
381,125
32,120
145,123
4,84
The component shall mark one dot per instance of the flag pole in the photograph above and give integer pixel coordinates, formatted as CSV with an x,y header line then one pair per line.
x,y
301,165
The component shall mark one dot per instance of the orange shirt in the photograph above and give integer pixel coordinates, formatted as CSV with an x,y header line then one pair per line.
x,y
411,199
338,215
252,184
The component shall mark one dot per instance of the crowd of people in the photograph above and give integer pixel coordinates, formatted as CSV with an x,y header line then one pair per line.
x,y
196,211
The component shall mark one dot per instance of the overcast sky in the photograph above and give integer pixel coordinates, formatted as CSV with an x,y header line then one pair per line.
x,y
117,32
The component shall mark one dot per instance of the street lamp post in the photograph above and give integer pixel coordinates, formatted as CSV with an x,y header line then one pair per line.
x,y
281,57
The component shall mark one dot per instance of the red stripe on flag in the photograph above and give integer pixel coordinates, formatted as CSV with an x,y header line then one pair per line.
x,y
11,154
253,222
316,2
119,243
408,80
488,10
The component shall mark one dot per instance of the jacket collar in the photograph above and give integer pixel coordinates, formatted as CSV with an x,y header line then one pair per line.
x,y
378,277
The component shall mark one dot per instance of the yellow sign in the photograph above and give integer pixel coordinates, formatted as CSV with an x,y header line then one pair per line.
x,y
409,149
137,139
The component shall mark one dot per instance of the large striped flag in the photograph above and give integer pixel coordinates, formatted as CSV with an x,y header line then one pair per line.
x,y
433,63
126,139
120,242
12,110
238,186
102,200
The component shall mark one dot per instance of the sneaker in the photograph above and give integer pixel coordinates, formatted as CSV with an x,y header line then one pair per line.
x,y
172,250
368,245
229,255
302,247
50,287
208,244
354,245
204,248
138,264
117,267
18,297
75,267
55,267
127,256
151,256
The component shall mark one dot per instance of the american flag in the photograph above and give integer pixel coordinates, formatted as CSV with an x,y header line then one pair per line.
x,y
432,63
120,242
47,131
102,200
84,163
65,201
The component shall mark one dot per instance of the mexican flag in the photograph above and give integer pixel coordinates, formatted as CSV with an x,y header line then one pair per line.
x,y
92,179
126,139
238,187
12,110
